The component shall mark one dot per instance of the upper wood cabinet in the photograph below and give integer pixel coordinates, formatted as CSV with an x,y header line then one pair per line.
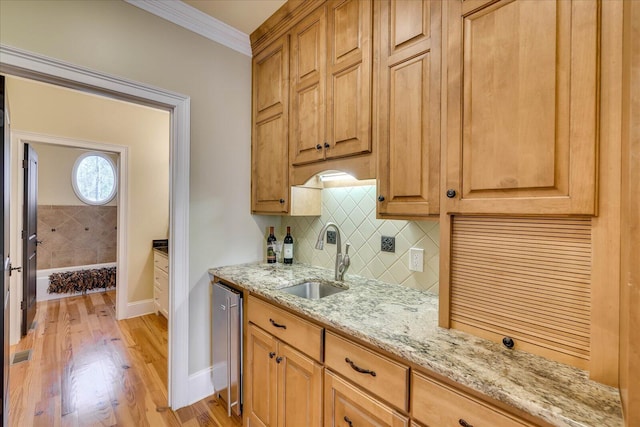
x,y
269,158
408,113
331,61
521,107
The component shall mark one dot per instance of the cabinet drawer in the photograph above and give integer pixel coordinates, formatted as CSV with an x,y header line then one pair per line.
x,y
161,279
303,335
345,404
382,376
161,261
436,404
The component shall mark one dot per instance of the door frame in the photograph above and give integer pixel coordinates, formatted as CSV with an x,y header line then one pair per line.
x,y
22,63
18,140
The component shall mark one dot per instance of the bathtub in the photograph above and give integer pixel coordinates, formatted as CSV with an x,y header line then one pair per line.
x,y
42,281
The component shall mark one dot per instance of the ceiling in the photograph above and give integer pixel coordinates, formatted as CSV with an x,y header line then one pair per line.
x,y
244,15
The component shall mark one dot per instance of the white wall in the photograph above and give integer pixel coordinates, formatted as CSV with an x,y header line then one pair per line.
x,y
55,165
117,38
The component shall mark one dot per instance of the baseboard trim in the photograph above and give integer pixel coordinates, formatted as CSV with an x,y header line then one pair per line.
x,y
140,308
201,385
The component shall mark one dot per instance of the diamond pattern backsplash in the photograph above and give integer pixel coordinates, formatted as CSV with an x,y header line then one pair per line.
x,y
76,235
354,210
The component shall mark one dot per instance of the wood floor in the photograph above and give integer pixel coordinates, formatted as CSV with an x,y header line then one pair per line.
x,y
88,369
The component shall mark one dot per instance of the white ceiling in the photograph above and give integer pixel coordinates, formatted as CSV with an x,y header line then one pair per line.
x,y
244,15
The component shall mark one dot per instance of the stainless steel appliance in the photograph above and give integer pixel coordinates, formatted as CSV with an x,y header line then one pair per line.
x,y
227,346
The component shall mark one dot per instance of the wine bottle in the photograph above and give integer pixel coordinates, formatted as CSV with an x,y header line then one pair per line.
x,y
288,247
271,247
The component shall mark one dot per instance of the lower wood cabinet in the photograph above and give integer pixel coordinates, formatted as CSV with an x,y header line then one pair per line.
x,y
437,404
161,283
283,386
346,405
373,372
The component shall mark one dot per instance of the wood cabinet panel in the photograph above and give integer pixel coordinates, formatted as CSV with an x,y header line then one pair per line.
x,y
436,404
382,376
303,335
331,83
345,405
522,131
408,131
260,401
269,152
349,78
300,388
308,74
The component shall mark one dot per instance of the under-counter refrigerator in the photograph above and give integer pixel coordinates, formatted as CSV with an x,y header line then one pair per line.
x,y
227,346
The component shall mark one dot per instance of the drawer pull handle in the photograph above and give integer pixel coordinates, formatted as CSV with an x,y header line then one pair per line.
x,y
463,423
277,325
348,421
359,369
272,355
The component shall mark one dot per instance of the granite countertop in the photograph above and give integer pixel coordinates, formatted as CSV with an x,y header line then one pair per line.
x,y
163,249
404,322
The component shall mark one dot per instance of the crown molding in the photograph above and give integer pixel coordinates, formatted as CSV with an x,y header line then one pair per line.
x,y
199,22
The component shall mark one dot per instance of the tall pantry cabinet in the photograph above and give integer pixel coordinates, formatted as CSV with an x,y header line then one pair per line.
x,y
269,157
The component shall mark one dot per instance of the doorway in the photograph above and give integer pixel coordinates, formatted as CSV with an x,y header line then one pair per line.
x,y
30,65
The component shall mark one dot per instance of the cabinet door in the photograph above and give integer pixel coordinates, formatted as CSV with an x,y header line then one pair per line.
x,y
349,78
308,65
346,405
299,389
269,152
521,107
408,85
261,373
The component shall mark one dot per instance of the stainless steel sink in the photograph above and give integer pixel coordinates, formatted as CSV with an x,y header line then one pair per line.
x,y
314,289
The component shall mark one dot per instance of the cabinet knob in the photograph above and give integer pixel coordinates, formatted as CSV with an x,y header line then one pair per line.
x,y
318,147
463,423
282,201
272,355
381,198
451,193
326,145
348,421
279,359
508,342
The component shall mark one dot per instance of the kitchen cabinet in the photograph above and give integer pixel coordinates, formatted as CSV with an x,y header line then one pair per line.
x,y
269,149
161,283
346,405
283,384
436,404
331,63
521,107
369,370
408,115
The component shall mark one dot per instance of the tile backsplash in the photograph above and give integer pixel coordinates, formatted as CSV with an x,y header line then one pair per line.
x,y
353,209
76,235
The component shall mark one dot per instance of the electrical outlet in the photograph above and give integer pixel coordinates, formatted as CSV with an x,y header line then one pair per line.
x,y
416,259
387,244
331,237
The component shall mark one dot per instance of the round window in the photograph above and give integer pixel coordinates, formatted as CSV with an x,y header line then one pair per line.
x,y
94,178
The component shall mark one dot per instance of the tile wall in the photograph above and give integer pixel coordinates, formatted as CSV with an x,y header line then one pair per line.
x,y
354,210
76,235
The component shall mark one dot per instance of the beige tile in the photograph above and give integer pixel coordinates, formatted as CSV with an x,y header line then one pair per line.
x,y
85,256
62,258
107,254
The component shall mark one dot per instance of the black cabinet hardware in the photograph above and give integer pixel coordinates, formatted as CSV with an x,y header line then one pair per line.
x,y
277,325
359,369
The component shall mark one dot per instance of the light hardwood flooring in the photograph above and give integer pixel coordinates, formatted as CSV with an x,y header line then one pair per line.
x,y
88,369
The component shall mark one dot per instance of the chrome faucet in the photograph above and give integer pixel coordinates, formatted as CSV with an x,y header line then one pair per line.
x,y
342,262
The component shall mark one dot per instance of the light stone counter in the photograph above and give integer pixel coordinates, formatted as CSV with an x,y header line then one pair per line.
x,y
404,322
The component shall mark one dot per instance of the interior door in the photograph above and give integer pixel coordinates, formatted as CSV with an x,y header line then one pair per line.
x,y
29,237
6,262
